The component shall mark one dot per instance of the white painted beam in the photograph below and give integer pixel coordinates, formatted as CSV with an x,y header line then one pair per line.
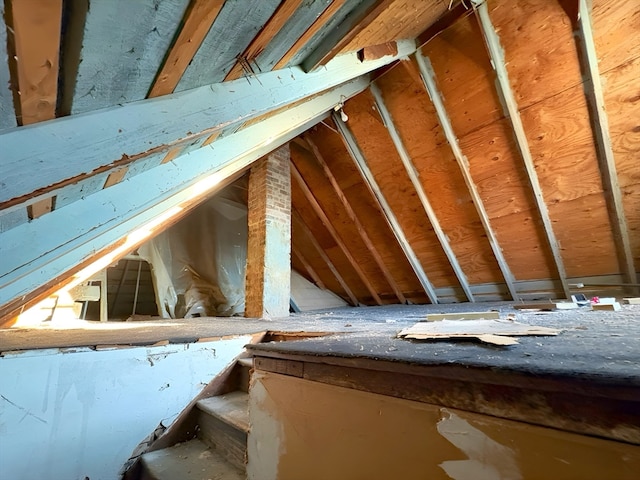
x,y
606,157
492,41
429,80
360,162
35,253
38,158
422,195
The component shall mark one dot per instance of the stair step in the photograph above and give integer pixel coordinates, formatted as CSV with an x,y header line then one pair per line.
x,y
232,408
191,460
224,423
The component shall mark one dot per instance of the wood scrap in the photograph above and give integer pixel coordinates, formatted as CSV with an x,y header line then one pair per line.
x,y
434,317
611,307
546,306
483,330
632,301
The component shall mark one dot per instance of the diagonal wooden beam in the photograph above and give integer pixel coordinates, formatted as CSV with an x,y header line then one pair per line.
x,y
356,221
413,175
36,27
284,11
315,27
429,82
358,20
295,173
197,22
307,266
583,34
298,218
496,54
359,160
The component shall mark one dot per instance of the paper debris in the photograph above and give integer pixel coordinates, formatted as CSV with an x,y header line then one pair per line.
x,y
489,331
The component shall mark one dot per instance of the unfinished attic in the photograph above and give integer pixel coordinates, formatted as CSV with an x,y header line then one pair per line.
x,y
319,239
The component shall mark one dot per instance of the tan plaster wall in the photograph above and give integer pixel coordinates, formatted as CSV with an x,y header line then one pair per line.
x,y
308,430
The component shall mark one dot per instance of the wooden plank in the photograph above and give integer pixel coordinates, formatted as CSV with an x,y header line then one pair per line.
x,y
600,126
57,247
361,162
115,176
123,69
615,25
497,58
417,185
315,27
234,28
168,120
285,10
429,80
359,19
436,317
307,231
354,218
632,300
446,20
39,208
310,271
332,231
36,27
7,112
195,25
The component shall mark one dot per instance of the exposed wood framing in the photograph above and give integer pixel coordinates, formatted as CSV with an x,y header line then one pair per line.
x,y
360,162
102,219
39,208
429,81
307,266
307,231
333,232
259,43
600,124
496,54
413,175
359,19
196,24
115,176
377,51
135,130
354,218
36,29
315,27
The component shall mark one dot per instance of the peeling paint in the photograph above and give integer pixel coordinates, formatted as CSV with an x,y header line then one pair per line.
x,y
488,460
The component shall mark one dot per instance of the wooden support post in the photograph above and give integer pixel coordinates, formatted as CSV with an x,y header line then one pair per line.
x,y
600,125
413,175
504,89
429,82
196,24
333,232
360,162
354,218
307,266
329,12
307,231
284,11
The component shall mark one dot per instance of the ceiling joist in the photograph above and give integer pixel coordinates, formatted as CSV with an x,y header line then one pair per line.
x,y
496,54
413,175
317,208
429,81
360,162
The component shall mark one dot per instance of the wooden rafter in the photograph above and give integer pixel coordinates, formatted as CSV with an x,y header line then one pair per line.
x,y
359,160
356,221
363,16
429,82
259,43
298,218
196,24
295,173
600,124
414,177
307,266
315,27
503,85
36,28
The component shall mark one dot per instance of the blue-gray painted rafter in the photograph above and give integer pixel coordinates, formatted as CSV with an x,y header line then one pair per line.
x,y
7,112
361,163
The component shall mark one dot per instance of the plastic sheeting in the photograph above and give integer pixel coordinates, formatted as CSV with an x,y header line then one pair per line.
x,y
199,264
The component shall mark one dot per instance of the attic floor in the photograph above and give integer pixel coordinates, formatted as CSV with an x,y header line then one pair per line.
x,y
602,344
